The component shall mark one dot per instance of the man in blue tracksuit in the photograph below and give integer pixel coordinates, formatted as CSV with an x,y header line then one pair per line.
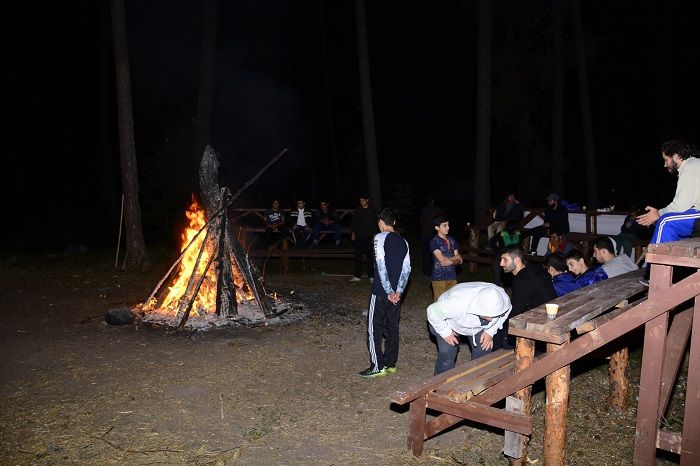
x,y
392,266
676,220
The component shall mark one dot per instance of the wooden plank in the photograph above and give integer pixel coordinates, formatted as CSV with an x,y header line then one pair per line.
x,y
635,317
652,362
690,444
422,388
482,413
671,260
538,336
440,423
556,411
669,441
585,304
511,444
457,390
689,247
607,317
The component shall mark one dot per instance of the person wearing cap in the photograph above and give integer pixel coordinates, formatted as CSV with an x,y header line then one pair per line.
x,y
475,310
556,219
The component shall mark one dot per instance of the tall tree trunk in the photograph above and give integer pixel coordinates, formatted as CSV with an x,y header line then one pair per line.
x,y
588,145
373,182
557,175
135,245
482,169
206,84
525,183
332,148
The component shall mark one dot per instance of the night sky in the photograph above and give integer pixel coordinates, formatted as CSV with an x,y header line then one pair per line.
x,y
60,164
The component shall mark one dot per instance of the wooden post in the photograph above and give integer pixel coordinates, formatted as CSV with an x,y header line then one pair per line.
x,y
416,425
556,411
690,444
650,379
473,242
619,383
524,355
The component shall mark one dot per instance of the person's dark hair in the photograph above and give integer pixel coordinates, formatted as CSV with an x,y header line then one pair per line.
x,y
512,225
575,254
388,216
684,148
364,196
557,261
515,250
439,220
604,243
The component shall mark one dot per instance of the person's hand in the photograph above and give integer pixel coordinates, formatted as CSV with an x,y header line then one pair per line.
x,y
486,341
649,218
451,339
394,298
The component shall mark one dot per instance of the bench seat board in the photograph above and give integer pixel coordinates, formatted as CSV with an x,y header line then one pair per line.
x,y
579,306
422,388
462,389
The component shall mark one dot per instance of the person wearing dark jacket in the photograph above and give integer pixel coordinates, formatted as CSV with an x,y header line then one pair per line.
x,y
556,219
509,210
363,228
532,286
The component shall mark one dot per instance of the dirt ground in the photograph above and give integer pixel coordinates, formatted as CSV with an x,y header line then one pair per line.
x,y
75,390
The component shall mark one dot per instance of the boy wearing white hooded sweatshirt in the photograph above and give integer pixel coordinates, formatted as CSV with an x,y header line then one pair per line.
x,y
474,309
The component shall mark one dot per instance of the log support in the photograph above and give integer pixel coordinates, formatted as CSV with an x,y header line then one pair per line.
x,y
557,404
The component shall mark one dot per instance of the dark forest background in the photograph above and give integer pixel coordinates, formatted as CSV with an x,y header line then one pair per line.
x,y
61,177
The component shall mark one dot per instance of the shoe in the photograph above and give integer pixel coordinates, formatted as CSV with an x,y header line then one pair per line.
x,y
390,369
370,372
354,279
644,281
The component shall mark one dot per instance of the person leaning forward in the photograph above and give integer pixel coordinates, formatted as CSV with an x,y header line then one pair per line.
x,y
476,310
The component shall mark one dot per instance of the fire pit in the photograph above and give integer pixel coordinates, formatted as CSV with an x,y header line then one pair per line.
x,y
212,283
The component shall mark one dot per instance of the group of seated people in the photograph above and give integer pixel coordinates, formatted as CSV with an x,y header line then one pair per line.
x,y
302,223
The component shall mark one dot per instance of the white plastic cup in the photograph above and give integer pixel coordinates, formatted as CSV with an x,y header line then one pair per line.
x,y
552,310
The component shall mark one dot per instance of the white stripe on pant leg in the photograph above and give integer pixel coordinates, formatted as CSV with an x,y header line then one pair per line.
x,y
370,333
695,215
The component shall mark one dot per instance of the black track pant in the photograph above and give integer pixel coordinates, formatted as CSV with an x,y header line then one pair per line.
x,y
383,321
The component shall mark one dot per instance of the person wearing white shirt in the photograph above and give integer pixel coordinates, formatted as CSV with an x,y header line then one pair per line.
x,y
476,310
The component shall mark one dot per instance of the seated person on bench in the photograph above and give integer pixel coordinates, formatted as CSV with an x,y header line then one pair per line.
x,y
325,219
562,280
584,275
274,224
476,310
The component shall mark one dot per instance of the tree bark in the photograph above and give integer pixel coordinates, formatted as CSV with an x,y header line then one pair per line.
x,y
584,97
373,179
332,148
482,169
557,174
206,83
135,244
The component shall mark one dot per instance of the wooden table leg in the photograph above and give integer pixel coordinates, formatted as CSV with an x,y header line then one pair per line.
x,y
619,382
416,425
524,355
650,379
556,410
690,445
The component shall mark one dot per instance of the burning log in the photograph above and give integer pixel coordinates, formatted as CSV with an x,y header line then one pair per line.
x,y
198,289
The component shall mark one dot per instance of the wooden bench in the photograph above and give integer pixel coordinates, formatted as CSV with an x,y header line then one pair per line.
x,y
451,391
467,391
250,227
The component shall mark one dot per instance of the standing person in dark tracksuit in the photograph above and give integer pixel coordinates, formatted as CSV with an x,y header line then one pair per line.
x,y
392,269
363,228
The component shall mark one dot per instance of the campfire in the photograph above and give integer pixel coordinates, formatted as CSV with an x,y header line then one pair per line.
x,y
212,283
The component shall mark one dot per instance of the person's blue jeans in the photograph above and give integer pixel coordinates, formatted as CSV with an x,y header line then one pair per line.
x,y
447,354
333,227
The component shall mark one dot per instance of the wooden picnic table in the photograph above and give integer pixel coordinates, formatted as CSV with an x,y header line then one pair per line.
x,y
577,310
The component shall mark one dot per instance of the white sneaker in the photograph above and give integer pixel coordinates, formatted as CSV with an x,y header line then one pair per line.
x,y
354,279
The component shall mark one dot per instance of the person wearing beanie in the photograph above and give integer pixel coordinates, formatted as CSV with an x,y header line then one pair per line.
x,y
474,310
